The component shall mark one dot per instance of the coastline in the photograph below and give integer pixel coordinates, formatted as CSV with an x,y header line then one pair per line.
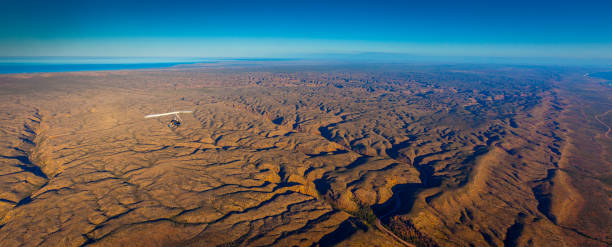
x,y
22,68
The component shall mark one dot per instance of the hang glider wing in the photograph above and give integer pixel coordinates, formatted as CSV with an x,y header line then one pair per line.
x,y
166,114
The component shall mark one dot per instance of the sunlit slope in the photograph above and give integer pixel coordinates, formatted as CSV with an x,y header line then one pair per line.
x,y
279,156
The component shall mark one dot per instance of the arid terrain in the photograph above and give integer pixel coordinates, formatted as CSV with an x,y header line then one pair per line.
x,y
290,154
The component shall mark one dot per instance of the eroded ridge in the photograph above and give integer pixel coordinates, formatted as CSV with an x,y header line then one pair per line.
x,y
320,156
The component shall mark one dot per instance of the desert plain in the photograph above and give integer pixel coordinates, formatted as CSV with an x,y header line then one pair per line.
x,y
307,154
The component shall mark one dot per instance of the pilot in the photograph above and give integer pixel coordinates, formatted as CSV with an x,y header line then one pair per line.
x,y
174,123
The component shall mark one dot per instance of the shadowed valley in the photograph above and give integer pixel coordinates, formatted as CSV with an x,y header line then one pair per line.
x,y
307,155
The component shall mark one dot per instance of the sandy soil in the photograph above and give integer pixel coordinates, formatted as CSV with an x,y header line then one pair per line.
x,y
306,155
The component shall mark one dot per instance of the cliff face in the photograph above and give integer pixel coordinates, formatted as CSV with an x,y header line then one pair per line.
x,y
303,157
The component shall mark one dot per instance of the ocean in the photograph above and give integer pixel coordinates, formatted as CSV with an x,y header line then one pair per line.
x,y
10,65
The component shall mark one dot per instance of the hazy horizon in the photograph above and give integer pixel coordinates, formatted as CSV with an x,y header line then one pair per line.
x,y
329,57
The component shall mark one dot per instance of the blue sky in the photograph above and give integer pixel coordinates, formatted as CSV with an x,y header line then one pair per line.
x,y
568,29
